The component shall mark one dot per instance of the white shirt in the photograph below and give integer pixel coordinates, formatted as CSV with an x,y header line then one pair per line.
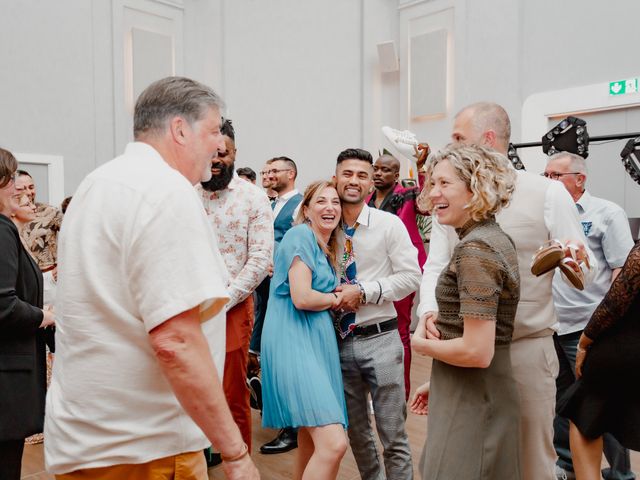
x,y
386,263
135,250
560,218
282,200
606,227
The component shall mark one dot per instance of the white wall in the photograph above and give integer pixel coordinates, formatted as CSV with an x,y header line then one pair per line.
x,y
46,81
300,78
292,81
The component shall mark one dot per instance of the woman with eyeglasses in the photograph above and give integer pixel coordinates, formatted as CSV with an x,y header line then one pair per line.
x,y
22,341
24,212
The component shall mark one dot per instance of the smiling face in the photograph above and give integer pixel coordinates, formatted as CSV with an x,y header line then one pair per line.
x,y
203,141
354,179
24,210
281,176
24,183
324,211
449,195
561,168
222,167
264,177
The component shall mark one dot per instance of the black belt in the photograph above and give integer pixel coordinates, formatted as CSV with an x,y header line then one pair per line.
x,y
375,328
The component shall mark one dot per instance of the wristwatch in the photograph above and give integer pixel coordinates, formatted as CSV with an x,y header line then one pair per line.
x,y
363,295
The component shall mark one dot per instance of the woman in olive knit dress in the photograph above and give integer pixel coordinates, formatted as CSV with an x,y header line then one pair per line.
x,y
473,425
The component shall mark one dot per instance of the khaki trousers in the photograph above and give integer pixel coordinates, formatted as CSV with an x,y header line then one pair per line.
x,y
184,466
535,368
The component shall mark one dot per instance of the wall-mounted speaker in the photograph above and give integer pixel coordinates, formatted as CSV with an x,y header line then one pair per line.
x,y
388,57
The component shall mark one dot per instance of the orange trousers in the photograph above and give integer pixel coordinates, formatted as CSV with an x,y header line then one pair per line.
x,y
234,383
185,466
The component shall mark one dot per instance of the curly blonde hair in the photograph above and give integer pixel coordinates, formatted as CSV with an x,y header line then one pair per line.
x,y
488,175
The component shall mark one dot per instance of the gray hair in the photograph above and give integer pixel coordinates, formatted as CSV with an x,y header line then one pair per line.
x,y
170,97
578,164
490,116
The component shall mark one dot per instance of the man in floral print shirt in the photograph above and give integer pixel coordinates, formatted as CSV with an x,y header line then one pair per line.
x,y
242,219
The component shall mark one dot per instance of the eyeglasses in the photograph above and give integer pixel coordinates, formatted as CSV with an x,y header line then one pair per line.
x,y
22,199
556,175
274,171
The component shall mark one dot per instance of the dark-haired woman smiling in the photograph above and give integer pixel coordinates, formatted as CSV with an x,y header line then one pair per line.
x,y
22,323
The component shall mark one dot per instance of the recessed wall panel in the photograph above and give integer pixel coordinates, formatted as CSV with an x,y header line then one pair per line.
x,y
428,74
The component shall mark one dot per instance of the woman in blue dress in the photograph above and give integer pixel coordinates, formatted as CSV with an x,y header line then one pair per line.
x,y
301,377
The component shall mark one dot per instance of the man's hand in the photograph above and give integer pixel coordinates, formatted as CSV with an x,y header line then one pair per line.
x,y
241,469
421,153
420,401
575,249
430,319
350,301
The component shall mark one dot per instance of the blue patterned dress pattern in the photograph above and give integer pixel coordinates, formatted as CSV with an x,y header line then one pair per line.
x,y
301,376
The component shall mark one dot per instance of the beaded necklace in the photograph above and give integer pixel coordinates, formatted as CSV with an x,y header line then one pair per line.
x,y
348,257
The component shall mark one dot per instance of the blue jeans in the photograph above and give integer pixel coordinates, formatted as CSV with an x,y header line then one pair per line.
x,y
616,454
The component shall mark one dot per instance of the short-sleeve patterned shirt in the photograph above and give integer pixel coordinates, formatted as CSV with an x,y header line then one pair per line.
x,y
242,219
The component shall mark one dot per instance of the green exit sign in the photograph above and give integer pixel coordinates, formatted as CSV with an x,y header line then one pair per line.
x,y
623,87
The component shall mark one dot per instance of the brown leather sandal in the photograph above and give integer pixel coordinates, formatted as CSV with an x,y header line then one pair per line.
x,y
574,269
547,257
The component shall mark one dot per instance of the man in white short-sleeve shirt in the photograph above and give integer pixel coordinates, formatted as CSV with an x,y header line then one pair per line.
x,y
140,328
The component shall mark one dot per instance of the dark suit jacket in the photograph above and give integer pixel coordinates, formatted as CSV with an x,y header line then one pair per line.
x,y
22,342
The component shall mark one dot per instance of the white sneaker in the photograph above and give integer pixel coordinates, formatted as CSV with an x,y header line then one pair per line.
x,y
403,141
562,474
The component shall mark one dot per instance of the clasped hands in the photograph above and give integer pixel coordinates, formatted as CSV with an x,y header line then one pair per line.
x,y
347,298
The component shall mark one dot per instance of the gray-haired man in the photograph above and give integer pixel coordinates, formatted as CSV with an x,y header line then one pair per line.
x,y
141,327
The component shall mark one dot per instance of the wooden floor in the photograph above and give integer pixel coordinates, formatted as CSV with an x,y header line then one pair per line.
x,y
276,467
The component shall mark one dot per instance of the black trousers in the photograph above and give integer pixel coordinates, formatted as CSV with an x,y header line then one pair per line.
x,y
11,459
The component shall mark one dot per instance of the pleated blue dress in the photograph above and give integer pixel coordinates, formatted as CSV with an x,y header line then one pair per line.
x,y
301,376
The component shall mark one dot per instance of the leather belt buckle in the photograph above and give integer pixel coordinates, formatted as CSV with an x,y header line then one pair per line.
x,y
376,328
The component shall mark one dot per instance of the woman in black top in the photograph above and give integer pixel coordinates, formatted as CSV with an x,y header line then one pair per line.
x,y
23,329
606,398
